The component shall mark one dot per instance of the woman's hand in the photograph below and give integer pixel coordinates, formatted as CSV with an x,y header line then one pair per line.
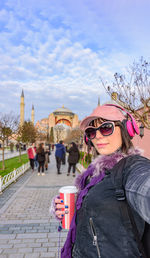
x,y
61,209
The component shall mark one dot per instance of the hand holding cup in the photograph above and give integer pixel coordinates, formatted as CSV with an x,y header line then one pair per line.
x,y
66,205
61,208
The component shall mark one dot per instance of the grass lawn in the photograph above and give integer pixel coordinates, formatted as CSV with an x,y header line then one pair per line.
x,y
12,163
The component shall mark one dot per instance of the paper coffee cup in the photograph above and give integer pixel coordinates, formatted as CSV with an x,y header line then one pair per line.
x,y
68,194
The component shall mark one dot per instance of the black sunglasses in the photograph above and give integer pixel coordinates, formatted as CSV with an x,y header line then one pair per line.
x,y
106,129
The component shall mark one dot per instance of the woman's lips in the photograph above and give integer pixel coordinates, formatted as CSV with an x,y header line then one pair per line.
x,y
101,145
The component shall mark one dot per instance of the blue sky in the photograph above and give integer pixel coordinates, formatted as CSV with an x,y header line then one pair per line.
x,y
57,50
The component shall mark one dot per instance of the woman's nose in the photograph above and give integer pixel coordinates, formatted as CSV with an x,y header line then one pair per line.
x,y
98,135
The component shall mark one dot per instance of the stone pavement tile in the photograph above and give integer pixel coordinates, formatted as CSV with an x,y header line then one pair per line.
x,y
6,246
48,255
28,240
39,250
16,256
3,241
33,235
10,251
42,240
25,250
7,236
35,255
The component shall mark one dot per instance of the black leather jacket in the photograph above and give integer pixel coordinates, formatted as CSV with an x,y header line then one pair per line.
x,y
100,229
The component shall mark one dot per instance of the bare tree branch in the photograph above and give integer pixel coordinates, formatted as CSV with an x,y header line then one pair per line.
x,y
133,90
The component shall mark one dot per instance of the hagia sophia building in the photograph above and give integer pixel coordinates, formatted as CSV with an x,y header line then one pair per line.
x,y
61,115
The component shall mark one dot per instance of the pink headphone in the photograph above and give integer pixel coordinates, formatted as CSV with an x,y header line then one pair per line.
x,y
88,141
130,125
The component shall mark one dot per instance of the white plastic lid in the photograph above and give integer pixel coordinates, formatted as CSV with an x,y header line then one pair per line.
x,y
68,189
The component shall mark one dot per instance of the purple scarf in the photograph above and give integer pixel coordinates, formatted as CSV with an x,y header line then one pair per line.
x,y
96,172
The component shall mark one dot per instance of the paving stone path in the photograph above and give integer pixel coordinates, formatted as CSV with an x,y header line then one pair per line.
x,y
26,227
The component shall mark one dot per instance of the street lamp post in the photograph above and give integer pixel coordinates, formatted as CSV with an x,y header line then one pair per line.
x,y
141,130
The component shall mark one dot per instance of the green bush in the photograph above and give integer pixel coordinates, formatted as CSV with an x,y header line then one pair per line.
x,y
87,161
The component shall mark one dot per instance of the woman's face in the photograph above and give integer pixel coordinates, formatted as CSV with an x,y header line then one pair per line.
x,y
106,145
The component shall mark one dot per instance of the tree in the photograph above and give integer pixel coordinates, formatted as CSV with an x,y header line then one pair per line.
x,y
28,132
41,135
74,135
132,91
60,132
51,135
8,127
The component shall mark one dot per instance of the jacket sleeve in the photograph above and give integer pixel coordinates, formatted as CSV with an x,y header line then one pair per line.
x,y
138,187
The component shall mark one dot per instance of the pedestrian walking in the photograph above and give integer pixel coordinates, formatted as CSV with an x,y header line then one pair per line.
x,y
41,158
112,217
64,156
59,152
47,157
35,158
73,158
31,151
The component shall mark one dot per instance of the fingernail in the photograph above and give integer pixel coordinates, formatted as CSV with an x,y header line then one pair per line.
x,y
61,201
66,206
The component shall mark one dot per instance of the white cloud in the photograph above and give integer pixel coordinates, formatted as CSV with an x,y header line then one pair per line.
x,y
57,51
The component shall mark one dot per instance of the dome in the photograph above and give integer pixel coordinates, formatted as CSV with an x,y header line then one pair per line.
x,y
63,111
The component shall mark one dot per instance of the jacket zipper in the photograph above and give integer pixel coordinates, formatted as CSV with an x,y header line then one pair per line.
x,y
95,243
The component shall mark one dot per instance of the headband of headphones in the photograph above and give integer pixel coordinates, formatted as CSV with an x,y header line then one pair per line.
x,y
130,125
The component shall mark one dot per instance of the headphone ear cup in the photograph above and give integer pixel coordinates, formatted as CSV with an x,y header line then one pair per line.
x,y
129,127
135,126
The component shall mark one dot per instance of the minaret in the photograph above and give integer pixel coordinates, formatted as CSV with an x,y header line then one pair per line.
x,y
32,115
22,109
98,101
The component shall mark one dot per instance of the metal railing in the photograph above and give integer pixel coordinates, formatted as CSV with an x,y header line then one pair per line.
x,y
12,176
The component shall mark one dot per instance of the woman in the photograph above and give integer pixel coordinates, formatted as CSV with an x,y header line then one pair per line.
x,y
47,159
41,158
97,228
31,151
73,158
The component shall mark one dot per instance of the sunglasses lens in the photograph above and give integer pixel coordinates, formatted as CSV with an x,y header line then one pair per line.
x,y
90,133
106,129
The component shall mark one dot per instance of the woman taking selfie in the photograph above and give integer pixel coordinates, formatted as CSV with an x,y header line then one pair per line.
x,y
116,184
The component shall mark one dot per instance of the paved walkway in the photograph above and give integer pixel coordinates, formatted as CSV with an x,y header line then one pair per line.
x,y
26,227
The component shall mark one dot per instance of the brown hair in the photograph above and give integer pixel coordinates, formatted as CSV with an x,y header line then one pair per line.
x,y
126,140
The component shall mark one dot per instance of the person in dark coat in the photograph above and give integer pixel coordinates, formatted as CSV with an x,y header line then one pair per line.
x,y
73,158
47,159
41,158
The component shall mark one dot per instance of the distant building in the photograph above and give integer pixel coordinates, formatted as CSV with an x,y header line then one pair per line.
x,y
62,116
